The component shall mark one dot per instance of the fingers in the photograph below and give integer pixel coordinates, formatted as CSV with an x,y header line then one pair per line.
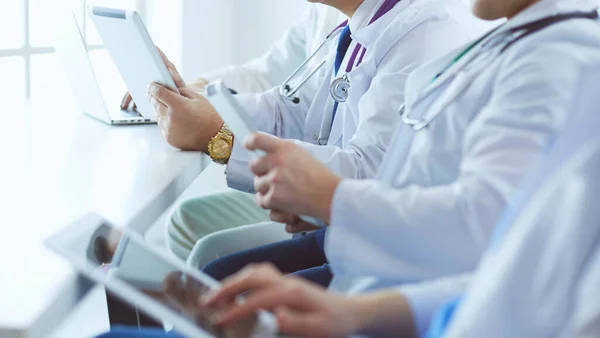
x,y
163,95
293,224
126,101
251,277
267,143
262,184
301,323
290,294
172,69
179,83
166,60
262,165
283,217
159,107
299,226
190,94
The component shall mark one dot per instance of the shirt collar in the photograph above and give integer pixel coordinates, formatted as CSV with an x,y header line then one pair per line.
x,y
365,11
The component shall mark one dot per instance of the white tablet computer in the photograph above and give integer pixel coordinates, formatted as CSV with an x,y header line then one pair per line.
x,y
150,279
132,50
240,123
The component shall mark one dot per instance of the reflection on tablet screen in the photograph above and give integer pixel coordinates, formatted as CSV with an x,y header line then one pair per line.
x,y
120,257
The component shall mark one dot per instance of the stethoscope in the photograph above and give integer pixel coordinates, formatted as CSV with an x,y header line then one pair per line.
x,y
517,33
340,86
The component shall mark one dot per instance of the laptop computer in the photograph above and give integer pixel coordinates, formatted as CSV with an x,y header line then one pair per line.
x,y
71,48
148,278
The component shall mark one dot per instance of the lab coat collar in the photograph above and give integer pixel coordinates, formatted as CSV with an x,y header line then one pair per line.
x,y
363,14
364,36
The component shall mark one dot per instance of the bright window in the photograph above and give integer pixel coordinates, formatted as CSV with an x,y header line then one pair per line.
x,y
28,66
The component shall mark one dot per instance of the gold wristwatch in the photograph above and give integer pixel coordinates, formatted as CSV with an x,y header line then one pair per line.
x,y
221,145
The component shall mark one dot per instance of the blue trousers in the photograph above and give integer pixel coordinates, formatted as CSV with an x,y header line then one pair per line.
x,y
303,256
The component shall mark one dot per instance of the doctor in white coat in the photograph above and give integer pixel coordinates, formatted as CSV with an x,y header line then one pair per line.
x,y
476,121
540,276
204,214
352,141
196,217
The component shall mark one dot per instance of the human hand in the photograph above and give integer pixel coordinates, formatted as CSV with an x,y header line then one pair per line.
x,y
179,83
289,179
293,223
199,84
188,121
300,307
183,292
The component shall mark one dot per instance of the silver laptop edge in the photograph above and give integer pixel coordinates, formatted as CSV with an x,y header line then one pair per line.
x,y
71,49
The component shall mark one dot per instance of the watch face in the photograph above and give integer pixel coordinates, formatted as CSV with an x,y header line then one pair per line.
x,y
221,148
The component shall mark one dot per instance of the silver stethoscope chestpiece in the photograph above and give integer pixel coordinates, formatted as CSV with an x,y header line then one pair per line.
x,y
339,88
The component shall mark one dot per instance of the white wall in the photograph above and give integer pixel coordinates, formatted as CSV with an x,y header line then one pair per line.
x,y
260,22
217,33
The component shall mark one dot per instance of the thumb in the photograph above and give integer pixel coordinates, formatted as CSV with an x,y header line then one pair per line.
x,y
264,142
163,94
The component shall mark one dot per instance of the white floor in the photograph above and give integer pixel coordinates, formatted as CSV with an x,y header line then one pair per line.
x,y
90,318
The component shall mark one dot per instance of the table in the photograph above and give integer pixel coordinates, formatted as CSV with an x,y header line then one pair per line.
x,y
55,167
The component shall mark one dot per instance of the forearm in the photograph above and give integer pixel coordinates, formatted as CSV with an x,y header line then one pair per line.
x,y
386,313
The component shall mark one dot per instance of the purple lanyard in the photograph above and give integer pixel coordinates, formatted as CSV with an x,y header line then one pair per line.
x,y
385,7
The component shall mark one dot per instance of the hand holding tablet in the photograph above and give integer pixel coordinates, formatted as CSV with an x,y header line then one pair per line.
x,y
240,123
135,55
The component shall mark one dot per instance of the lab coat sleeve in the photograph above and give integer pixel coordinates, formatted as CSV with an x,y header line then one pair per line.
x,y
272,68
585,322
427,297
431,230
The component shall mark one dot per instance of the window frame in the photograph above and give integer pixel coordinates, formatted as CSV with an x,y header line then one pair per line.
x,y
27,51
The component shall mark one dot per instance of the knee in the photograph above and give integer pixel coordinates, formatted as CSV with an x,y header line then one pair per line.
x,y
180,216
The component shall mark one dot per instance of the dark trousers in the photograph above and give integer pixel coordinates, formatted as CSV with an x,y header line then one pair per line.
x,y
303,256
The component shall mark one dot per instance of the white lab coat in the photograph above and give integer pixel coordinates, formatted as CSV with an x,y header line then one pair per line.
x,y
442,189
403,39
284,56
544,278
429,296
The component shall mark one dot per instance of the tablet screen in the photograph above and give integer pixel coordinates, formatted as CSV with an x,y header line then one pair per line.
x,y
144,276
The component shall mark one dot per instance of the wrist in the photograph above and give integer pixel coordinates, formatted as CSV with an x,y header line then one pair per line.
x,y
325,200
385,313
220,146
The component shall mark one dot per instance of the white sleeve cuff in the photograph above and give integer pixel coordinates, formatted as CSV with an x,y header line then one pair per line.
x,y
340,251
426,298
238,174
